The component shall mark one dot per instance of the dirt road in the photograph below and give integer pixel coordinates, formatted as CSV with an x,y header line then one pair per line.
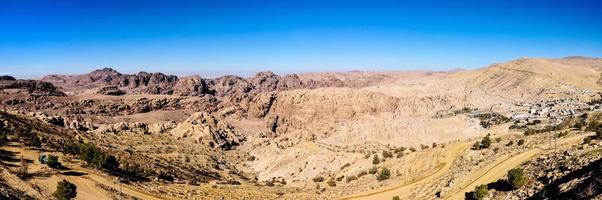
x,y
501,167
450,155
84,179
486,175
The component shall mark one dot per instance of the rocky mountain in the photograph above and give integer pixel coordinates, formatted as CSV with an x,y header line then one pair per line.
x,y
158,83
271,130
29,87
142,82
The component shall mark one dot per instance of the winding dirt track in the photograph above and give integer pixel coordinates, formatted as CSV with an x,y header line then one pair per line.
x,y
501,167
488,174
86,184
450,155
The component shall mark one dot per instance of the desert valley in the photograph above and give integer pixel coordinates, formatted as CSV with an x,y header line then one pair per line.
x,y
529,128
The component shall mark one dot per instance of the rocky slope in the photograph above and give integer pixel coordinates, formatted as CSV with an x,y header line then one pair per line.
x,y
158,83
289,129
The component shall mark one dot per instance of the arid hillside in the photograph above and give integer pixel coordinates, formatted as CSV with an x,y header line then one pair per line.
x,y
279,134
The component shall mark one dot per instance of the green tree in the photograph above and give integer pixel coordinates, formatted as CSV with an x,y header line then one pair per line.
x,y
109,162
384,174
53,162
587,140
480,192
486,142
65,190
516,178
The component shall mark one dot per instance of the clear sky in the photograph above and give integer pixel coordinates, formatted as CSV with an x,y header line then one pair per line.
x,y
241,37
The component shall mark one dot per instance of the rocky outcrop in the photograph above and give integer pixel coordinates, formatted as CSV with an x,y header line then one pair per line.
x,y
110,90
268,82
192,86
31,87
158,83
230,85
142,82
7,78
73,124
261,104
122,127
204,128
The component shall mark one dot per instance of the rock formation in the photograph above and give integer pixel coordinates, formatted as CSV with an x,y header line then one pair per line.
x,y
110,90
204,128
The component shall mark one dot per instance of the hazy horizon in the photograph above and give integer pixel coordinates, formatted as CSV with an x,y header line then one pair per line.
x,y
241,38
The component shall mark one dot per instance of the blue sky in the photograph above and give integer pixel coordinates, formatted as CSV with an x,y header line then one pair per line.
x,y
212,38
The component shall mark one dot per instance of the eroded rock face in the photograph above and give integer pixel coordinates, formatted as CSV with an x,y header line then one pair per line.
x,y
73,124
32,87
143,82
122,127
158,83
231,85
204,128
192,86
110,90
261,104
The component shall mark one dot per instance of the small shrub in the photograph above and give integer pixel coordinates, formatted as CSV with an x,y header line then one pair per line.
x,y
396,198
480,192
587,140
486,142
498,140
510,143
350,178
373,170
422,146
345,166
516,178
387,154
400,149
384,174
412,149
521,142
318,179
476,146
578,125
270,183
331,182
375,160
65,190
53,162
340,178
362,173
434,144
399,155
166,177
